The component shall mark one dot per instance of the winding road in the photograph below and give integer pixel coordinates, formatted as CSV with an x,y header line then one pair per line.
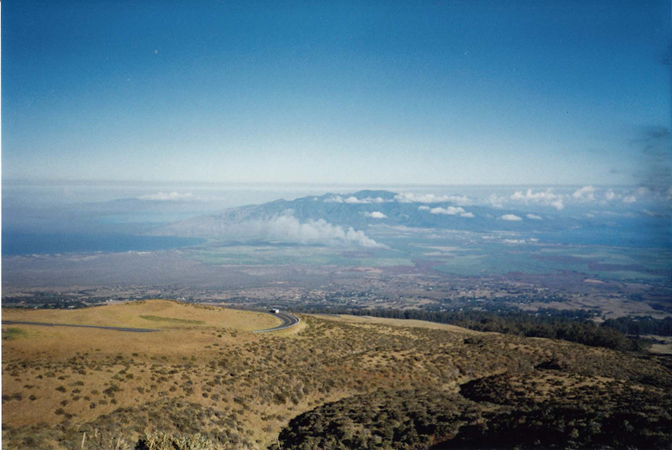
x,y
44,324
288,320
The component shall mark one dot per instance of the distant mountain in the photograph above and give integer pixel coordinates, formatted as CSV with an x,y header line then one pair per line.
x,y
346,217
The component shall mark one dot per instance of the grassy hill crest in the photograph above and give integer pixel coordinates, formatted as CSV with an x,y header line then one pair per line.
x,y
156,313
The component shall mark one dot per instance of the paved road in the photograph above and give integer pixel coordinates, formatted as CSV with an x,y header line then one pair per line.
x,y
129,330
288,319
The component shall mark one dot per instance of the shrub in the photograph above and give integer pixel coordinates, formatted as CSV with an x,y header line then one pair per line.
x,y
163,441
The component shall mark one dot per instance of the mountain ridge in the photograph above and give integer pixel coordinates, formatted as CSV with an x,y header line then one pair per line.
x,y
356,211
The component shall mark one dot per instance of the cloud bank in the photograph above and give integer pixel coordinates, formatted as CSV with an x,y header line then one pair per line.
x,y
410,197
354,200
586,193
375,215
510,217
162,196
287,228
546,198
452,211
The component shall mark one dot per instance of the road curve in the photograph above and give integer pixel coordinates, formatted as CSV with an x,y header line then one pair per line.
x,y
288,319
44,324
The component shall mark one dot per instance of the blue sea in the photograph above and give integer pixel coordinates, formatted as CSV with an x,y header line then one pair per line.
x,y
18,243
82,217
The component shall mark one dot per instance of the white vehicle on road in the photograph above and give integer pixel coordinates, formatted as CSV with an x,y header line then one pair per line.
x,y
275,311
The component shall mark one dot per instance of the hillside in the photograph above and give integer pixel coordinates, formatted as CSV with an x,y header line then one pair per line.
x,y
368,379
163,314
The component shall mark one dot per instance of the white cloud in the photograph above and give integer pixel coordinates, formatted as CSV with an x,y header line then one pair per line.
x,y
367,200
547,198
354,200
423,208
431,198
610,195
497,202
626,197
585,193
510,217
514,241
534,217
375,215
287,228
459,199
452,211
162,196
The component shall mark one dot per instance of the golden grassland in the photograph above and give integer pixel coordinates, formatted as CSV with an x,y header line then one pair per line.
x,y
663,345
148,314
398,322
244,387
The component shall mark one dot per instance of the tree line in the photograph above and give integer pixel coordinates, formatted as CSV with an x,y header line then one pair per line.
x,y
573,326
637,326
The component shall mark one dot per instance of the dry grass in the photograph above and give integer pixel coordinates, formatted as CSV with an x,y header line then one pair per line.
x,y
71,364
255,382
293,332
178,343
130,315
400,323
663,345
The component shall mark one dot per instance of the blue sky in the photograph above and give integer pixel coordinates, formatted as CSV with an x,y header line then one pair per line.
x,y
458,92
